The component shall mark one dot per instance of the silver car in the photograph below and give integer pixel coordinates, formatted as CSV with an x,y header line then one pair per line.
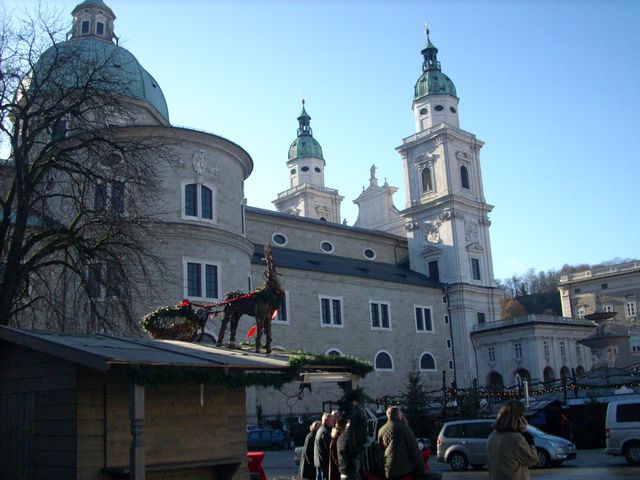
x,y
464,442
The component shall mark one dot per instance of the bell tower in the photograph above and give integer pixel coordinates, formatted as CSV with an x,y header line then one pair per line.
x,y
307,195
446,215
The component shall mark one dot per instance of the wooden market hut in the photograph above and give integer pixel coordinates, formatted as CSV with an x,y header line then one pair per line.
x,y
103,407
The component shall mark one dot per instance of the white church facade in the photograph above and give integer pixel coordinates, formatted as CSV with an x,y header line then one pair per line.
x,y
403,288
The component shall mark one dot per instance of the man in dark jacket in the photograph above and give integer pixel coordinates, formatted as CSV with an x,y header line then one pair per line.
x,y
307,466
401,453
348,457
321,447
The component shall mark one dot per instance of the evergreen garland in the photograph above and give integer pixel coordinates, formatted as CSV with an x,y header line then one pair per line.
x,y
236,379
177,322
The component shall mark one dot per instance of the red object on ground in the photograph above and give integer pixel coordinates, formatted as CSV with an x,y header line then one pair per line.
x,y
426,453
255,463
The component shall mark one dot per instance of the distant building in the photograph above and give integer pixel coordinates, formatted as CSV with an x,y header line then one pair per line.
x,y
614,288
539,348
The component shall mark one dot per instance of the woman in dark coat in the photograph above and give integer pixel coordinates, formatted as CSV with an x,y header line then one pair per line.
x,y
307,468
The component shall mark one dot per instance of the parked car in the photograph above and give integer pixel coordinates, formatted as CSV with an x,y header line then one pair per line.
x,y
622,429
464,442
267,439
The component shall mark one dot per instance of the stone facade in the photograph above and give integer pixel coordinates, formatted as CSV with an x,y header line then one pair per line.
x,y
535,347
614,288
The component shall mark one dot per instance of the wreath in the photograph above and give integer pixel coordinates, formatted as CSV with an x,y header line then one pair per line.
x,y
179,322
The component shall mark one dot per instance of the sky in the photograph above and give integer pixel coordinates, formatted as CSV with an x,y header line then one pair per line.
x,y
551,87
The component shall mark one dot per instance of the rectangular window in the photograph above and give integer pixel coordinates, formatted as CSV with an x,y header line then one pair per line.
x,y
491,352
518,349
211,281
604,286
100,28
194,280
100,202
481,317
331,311
94,281
434,274
201,279
444,299
581,312
282,310
85,27
446,319
607,308
475,268
117,198
634,343
207,203
450,364
546,349
448,343
115,278
379,315
563,351
630,309
578,352
423,319
577,290
191,200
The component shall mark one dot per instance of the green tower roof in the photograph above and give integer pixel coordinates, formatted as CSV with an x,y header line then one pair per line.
x,y
432,81
305,145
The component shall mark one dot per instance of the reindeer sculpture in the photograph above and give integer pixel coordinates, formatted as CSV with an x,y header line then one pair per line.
x,y
261,304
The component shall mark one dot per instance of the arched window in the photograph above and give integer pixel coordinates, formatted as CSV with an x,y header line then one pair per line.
x,y
383,361
198,202
334,352
579,371
495,380
565,373
548,374
427,362
427,180
464,177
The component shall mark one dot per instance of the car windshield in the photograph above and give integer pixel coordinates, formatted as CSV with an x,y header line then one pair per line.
x,y
535,430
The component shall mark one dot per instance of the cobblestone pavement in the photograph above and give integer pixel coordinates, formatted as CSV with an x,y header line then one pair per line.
x,y
590,465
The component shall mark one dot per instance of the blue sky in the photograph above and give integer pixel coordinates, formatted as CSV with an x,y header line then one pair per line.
x,y
552,88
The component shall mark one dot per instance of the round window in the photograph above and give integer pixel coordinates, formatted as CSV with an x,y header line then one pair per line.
x,y
293,171
111,159
370,254
327,247
423,111
279,239
439,108
317,169
453,110
305,169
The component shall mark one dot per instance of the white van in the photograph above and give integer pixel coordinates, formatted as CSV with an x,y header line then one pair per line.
x,y
622,428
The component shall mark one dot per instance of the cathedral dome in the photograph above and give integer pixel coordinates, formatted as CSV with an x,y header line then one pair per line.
x,y
305,145
92,56
432,81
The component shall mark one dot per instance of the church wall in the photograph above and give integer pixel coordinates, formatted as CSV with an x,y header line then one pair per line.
x,y
305,332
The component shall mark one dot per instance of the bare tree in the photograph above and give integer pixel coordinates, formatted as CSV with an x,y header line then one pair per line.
x,y
77,183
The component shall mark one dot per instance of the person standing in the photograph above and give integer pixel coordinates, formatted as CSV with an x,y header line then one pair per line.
x,y
401,453
321,447
307,467
510,447
340,424
348,458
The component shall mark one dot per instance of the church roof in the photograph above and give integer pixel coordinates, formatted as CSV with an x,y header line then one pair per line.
x,y
318,262
432,81
305,146
92,60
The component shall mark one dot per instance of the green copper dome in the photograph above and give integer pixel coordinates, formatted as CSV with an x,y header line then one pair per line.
x,y
92,57
305,145
432,81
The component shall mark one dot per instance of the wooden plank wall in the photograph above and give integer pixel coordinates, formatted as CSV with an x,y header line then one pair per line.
x,y
37,415
176,428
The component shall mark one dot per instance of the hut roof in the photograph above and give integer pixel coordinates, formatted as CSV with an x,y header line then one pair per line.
x,y
101,352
